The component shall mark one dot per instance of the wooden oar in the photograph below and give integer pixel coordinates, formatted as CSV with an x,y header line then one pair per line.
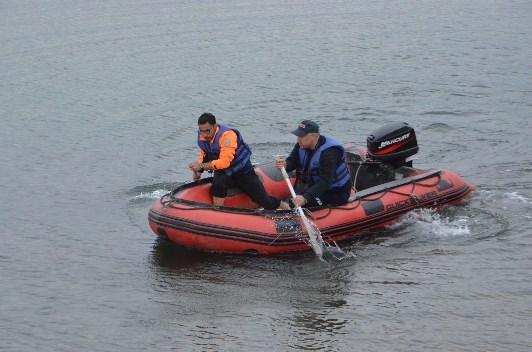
x,y
314,239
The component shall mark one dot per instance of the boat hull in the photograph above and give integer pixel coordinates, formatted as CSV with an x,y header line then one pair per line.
x,y
187,217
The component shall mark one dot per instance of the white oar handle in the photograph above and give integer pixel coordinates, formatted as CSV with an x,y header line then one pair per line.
x,y
287,179
285,174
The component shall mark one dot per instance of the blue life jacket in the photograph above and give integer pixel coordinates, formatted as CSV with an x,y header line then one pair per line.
x,y
342,175
241,162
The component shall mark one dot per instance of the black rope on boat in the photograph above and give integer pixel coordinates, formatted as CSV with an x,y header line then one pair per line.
x,y
432,184
403,193
169,200
176,203
311,215
414,184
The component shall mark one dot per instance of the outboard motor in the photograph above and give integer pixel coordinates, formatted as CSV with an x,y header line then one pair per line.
x,y
393,143
387,150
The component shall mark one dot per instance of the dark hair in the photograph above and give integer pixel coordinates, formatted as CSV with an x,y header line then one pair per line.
x,y
207,117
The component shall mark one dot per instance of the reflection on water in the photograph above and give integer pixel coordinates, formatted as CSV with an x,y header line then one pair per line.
x,y
317,323
170,257
244,289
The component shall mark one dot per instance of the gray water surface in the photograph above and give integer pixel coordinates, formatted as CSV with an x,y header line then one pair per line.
x,y
98,108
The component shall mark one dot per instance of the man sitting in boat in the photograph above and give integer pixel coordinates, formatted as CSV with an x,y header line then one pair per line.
x,y
322,176
223,151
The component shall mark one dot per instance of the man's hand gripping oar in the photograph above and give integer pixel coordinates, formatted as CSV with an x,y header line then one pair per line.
x,y
314,240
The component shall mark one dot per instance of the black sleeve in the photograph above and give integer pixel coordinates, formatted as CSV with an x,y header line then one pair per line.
x,y
292,162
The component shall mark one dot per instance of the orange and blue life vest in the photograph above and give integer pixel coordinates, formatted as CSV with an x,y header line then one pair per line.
x,y
241,162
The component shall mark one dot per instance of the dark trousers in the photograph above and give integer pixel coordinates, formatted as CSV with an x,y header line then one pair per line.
x,y
333,197
249,183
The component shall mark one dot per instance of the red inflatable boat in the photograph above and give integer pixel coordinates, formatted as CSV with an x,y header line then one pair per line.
x,y
385,187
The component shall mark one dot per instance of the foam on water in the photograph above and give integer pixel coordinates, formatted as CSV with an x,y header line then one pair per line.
x,y
151,195
517,196
329,251
433,223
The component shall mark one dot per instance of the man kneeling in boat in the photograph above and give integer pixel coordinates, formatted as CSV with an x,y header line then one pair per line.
x,y
322,176
223,150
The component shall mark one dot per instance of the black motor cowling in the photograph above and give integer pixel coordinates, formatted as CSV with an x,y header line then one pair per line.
x,y
393,143
386,156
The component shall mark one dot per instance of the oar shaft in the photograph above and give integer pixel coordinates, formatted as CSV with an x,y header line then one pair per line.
x,y
287,179
314,243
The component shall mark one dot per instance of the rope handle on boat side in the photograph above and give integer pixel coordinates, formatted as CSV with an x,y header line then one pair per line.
x,y
162,199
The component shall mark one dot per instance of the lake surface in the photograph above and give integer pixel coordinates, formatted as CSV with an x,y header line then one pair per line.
x,y
98,107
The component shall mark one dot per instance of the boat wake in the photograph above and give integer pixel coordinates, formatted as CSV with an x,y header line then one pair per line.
x,y
148,193
431,223
519,197
151,195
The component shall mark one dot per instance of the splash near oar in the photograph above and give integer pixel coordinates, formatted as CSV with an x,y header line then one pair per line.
x,y
314,234
331,251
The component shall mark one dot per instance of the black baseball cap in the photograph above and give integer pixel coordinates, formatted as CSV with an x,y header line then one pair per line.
x,y
305,127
